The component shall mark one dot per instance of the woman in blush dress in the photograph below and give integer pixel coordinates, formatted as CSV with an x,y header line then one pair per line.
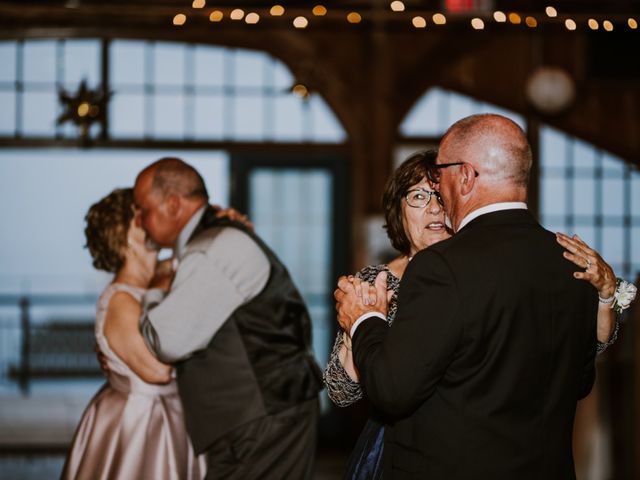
x,y
415,220
133,428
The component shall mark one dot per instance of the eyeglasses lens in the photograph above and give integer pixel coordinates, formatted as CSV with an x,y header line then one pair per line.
x,y
420,198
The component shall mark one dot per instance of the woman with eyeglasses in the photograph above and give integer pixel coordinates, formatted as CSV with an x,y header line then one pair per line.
x,y
415,219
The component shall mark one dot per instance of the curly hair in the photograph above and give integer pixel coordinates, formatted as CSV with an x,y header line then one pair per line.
x,y
410,172
106,231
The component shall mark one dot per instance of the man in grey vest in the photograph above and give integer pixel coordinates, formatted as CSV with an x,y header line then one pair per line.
x,y
236,329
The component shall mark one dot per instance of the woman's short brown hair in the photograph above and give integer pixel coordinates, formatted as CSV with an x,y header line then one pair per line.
x,y
410,172
107,226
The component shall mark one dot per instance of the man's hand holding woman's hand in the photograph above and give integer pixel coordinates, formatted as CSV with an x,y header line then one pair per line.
x,y
355,297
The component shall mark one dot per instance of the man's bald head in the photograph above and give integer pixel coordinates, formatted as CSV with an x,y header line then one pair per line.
x,y
172,175
494,144
167,193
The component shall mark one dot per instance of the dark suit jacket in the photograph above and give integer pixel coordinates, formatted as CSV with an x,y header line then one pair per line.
x,y
492,346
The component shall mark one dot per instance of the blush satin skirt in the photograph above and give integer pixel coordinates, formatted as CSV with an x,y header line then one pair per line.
x,y
133,430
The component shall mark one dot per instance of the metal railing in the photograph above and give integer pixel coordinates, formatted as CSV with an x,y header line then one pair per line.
x,y
55,333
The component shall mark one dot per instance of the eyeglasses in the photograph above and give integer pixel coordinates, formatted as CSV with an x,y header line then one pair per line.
x,y
434,170
420,197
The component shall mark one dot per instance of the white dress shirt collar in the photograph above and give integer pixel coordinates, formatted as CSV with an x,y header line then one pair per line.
x,y
187,231
492,207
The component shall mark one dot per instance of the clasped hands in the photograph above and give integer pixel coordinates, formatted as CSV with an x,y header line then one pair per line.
x,y
355,297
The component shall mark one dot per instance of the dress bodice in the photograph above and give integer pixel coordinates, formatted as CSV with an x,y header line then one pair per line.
x,y
121,377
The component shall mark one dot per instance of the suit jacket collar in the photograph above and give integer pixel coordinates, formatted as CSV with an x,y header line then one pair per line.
x,y
501,217
492,207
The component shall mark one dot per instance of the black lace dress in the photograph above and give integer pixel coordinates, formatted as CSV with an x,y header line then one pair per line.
x,y
365,461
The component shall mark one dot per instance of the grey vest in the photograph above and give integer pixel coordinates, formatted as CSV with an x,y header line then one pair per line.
x,y
258,363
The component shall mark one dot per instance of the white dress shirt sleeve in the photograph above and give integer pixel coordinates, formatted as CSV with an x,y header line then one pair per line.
x,y
362,318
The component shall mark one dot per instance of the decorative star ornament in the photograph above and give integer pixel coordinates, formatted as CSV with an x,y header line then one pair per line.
x,y
83,108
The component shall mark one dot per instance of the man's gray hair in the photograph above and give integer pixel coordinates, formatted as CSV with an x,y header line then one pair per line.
x,y
173,175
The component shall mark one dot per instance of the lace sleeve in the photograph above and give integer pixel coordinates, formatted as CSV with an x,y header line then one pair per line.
x,y
342,389
601,347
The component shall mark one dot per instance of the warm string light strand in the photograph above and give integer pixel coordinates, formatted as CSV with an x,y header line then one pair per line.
x,y
418,21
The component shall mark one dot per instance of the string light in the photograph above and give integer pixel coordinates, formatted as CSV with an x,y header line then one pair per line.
x,y
593,24
179,19
216,16
570,24
300,90
198,3
477,23
499,16
252,18
515,18
236,14
319,11
397,6
531,22
354,17
632,23
419,22
551,12
300,22
607,25
277,11
439,19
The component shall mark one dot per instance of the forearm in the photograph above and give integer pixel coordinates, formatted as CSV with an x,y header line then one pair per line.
x,y
606,322
343,387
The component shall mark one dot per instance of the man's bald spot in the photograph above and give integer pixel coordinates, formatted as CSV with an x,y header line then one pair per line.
x,y
173,175
494,144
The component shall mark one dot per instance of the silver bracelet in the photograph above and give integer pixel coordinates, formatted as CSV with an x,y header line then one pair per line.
x,y
606,301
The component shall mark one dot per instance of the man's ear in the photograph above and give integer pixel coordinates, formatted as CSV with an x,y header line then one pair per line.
x,y
467,178
173,204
